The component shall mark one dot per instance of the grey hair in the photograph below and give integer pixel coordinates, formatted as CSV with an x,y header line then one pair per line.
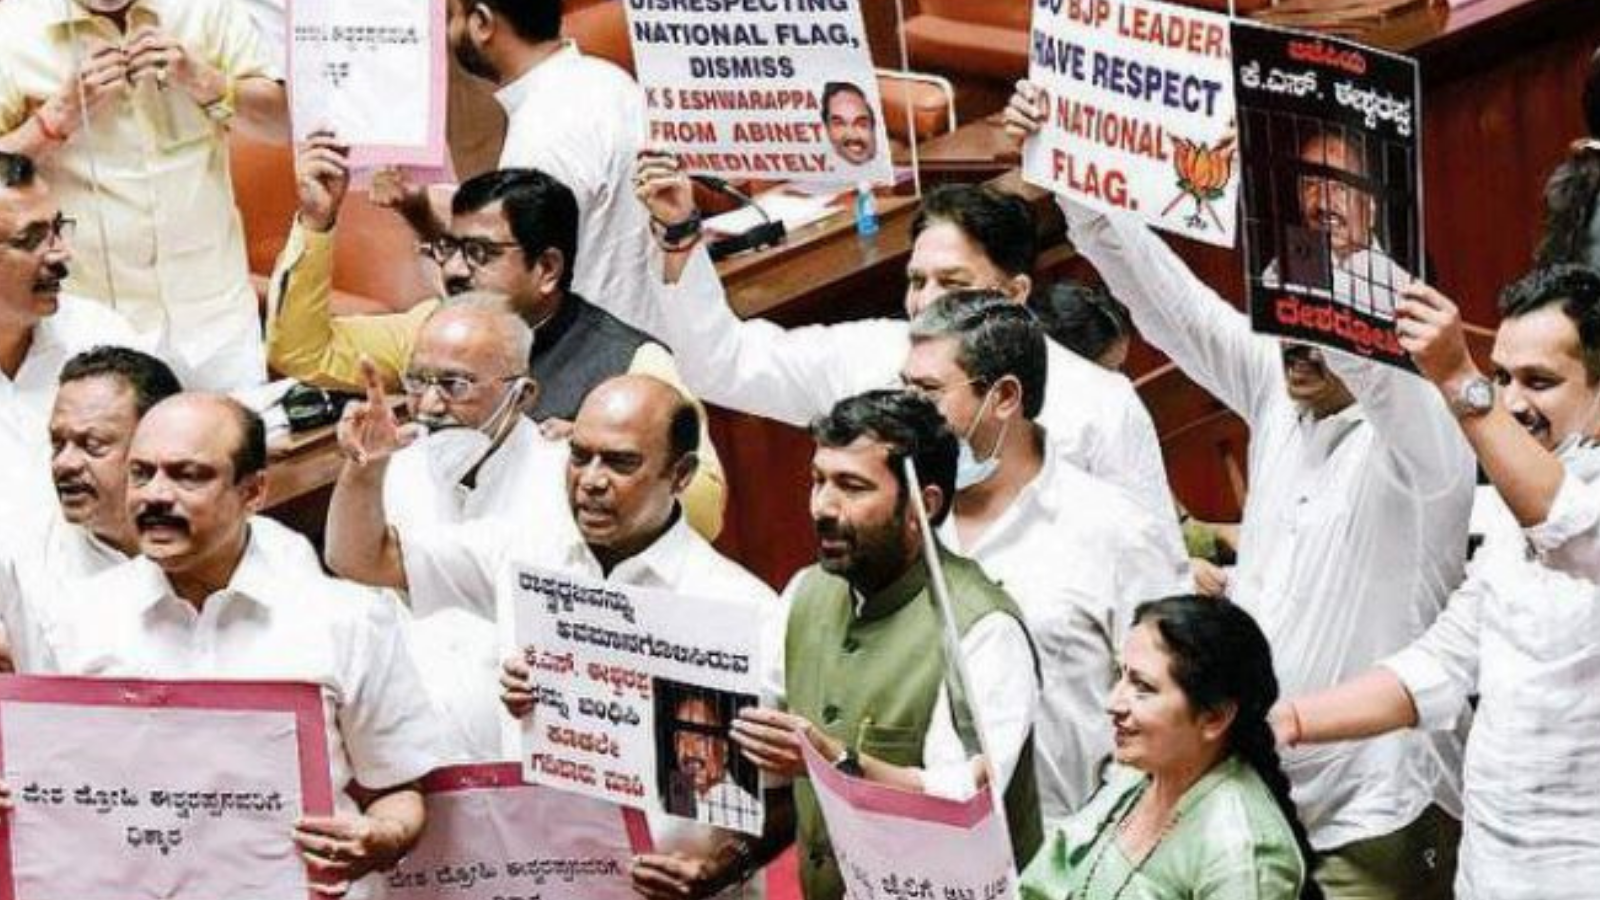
x,y
997,337
516,338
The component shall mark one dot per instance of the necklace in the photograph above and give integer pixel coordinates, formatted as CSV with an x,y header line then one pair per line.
x,y
1115,821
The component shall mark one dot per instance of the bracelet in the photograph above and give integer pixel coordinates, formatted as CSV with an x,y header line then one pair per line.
x,y
221,109
50,133
679,236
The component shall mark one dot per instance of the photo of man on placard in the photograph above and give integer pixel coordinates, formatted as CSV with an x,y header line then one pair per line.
x,y
1333,246
851,123
701,777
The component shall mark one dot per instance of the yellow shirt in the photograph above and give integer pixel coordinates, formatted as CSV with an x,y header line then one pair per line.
x,y
307,342
174,243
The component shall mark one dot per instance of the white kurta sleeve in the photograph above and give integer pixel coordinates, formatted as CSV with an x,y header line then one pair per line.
x,y
1174,310
1568,540
757,367
1440,669
386,721
1416,428
999,662
454,566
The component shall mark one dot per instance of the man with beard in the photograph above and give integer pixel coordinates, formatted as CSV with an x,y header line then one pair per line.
x,y
852,128
576,117
1354,534
127,106
1520,635
204,601
39,329
632,452
514,232
862,672
700,785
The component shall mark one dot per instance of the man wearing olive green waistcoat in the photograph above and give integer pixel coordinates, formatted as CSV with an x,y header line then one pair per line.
x,y
864,670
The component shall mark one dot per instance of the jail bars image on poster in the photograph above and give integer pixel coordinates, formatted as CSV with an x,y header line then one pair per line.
x,y
1329,135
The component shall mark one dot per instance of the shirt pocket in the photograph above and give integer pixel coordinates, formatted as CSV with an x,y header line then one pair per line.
x,y
899,745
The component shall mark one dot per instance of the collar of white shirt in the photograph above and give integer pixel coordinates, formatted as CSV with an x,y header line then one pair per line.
x,y
660,563
253,579
528,83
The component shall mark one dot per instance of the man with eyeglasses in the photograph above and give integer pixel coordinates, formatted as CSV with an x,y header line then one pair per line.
x,y
513,232
633,450
128,106
40,329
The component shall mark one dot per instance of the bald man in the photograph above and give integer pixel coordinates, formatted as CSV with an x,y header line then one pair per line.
x,y
633,451
204,601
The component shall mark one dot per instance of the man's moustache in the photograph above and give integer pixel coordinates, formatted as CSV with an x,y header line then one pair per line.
x,y
74,485
159,519
454,286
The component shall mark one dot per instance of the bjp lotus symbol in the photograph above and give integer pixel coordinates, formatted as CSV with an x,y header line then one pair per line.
x,y
1203,171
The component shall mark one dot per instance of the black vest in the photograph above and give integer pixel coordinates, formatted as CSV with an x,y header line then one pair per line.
x,y
579,347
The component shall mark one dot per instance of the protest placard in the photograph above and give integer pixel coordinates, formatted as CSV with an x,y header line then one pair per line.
x,y
375,73
1329,133
634,692
179,790
1140,103
896,844
491,836
758,90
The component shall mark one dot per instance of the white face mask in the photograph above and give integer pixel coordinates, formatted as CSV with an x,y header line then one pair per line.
x,y
454,452
969,469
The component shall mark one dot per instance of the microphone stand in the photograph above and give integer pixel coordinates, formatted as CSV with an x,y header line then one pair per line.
x,y
769,233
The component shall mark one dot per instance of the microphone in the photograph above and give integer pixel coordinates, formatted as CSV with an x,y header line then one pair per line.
x,y
769,233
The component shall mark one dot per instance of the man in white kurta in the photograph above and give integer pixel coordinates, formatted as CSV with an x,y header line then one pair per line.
x,y
166,83
965,237
1076,554
1354,532
1522,635
39,329
632,455
206,601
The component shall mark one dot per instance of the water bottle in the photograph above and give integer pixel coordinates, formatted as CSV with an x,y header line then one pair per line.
x,y
866,210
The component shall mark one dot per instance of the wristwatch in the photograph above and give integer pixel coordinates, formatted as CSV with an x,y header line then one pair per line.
x,y
849,764
1473,399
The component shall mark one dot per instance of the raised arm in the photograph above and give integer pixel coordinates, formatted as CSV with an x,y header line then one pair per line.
x,y
1172,308
360,544
752,365
304,339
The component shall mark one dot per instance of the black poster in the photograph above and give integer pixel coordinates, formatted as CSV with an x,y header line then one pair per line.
x,y
1329,134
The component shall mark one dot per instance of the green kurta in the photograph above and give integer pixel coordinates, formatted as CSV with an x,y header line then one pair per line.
x,y
871,678
1228,842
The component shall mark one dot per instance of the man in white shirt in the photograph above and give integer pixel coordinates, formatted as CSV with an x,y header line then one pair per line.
x,y
576,118
965,237
204,601
632,453
862,675
1520,634
1075,553
39,329
467,385
1354,535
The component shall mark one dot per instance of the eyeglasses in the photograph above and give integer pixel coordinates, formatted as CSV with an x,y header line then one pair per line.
x,y
34,236
454,388
477,252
